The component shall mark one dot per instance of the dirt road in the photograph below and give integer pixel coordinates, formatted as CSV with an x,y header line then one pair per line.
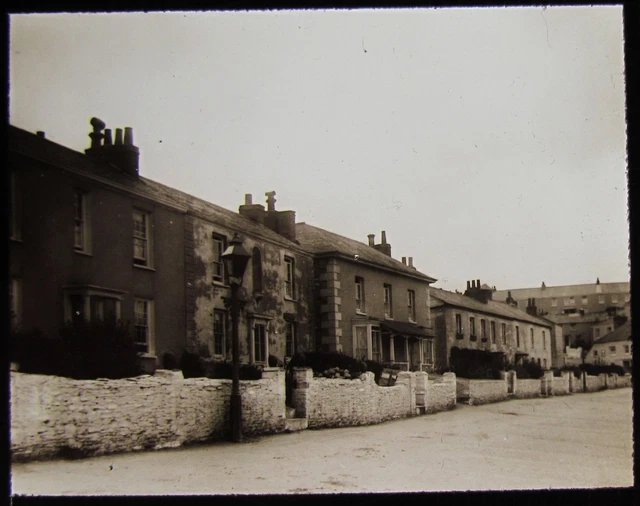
x,y
577,441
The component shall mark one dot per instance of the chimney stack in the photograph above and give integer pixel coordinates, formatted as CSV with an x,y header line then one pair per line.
x,y
531,308
124,155
254,212
372,239
475,291
383,247
40,134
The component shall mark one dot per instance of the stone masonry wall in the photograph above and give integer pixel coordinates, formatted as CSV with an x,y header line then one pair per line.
x,y
481,391
561,385
94,417
594,383
340,403
526,388
441,393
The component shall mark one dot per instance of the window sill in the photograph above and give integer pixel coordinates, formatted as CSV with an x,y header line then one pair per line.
x,y
362,313
16,239
220,284
290,299
83,253
147,355
144,267
388,317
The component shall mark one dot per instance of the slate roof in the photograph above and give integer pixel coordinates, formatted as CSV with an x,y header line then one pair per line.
x,y
563,291
320,241
51,153
441,297
622,333
407,328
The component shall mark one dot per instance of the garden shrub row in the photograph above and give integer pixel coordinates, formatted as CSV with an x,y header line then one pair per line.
x,y
330,363
475,364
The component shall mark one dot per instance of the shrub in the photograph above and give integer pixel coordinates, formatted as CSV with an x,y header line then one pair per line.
x,y
224,370
557,373
169,361
577,372
533,369
321,361
275,361
191,365
376,368
595,369
476,364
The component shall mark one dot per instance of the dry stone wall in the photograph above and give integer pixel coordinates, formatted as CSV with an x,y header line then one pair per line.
x,y
441,393
481,391
50,415
527,388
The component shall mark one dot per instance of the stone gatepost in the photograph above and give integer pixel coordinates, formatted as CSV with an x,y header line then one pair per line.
x,y
409,379
422,379
566,379
302,378
450,379
614,381
604,380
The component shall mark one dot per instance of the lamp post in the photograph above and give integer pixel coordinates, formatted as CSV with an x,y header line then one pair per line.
x,y
235,259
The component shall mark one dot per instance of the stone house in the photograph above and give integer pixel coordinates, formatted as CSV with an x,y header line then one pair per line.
x,y
473,320
613,348
369,305
90,237
276,289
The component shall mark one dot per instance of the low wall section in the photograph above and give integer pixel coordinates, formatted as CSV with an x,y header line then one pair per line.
x,y
594,383
441,393
561,385
527,388
481,391
329,402
93,417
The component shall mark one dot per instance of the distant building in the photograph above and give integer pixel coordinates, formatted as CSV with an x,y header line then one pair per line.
x,y
369,305
475,321
613,348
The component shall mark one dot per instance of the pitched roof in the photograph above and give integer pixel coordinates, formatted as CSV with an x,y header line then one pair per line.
x,y
320,241
622,333
563,291
444,297
28,144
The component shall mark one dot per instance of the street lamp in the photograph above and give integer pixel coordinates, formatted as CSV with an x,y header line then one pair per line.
x,y
235,259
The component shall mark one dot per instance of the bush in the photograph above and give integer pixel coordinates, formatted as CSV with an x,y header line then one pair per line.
x,y
169,361
82,350
532,368
376,368
321,361
476,364
595,369
224,370
577,372
191,365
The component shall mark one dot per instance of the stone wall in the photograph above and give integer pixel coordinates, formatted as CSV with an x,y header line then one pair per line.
x,y
481,391
441,393
561,385
526,388
94,417
624,381
594,383
339,403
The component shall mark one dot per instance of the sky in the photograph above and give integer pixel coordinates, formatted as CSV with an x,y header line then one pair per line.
x,y
489,143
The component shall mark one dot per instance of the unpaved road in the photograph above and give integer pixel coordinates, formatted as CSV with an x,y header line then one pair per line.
x,y
577,441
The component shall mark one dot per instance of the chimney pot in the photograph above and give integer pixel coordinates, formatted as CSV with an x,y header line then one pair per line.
x,y
478,283
404,260
128,136
410,261
40,134
271,201
372,239
248,199
118,141
468,285
107,137
384,237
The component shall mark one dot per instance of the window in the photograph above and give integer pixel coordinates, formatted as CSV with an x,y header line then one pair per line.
x,y
259,343
544,363
289,282
569,301
609,329
566,341
597,331
142,326
626,348
103,308
15,207
595,353
411,305
219,327
600,299
554,302
504,333
91,303
141,236
15,302
517,336
585,300
493,332
458,324
614,299
532,341
388,310
472,325
219,245
627,298
544,340
612,349
359,295
376,344
291,339
80,221
483,329
256,270
428,352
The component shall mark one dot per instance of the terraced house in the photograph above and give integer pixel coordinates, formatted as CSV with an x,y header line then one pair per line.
x,y
90,237
474,321
369,305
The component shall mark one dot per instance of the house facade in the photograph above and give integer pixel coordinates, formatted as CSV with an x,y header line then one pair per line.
x,y
613,348
91,238
276,291
369,305
474,321
88,240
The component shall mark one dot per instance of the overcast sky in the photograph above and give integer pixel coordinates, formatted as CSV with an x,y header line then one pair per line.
x,y
488,143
